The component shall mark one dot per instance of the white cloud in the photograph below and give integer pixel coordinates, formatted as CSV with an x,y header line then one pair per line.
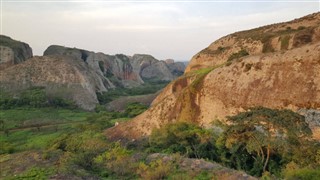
x,y
165,30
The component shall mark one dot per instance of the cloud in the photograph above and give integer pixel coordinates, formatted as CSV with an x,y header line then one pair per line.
x,y
165,30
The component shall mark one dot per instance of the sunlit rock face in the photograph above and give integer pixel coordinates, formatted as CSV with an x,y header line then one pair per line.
x,y
280,68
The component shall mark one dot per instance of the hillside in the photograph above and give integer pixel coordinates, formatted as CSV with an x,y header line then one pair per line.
x,y
275,66
79,75
267,39
13,52
122,70
61,76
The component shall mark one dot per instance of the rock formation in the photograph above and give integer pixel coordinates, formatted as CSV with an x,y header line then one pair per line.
x,y
77,74
13,52
123,70
276,66
62,76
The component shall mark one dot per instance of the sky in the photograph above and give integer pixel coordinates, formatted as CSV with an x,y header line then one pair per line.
x,y
165,29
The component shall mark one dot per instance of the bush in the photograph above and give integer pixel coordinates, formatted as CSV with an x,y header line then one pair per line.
x,y
285,42
238,54
149,87
117,160
184,138
35,173
33,97
264,139
134,109
303,174
155,170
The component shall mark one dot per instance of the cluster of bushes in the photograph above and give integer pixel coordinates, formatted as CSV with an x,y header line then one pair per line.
x,y
238,54
147,88
259,141
32,97
131,110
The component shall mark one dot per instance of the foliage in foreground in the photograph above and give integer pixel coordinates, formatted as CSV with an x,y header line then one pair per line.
x,y
260,141
257,141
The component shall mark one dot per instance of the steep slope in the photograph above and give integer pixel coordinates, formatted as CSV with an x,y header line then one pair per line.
x,y
13,52
62,76
287,78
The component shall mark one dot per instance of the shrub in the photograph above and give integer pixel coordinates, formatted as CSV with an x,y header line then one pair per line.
x,y
117,160
182,137
35,173
264,139
303,174
285,42
134,109
157,169
238,54
33,97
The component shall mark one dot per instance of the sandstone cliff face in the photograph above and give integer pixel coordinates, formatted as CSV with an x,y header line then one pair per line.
x,y
123,70
13,52
62,76
287,78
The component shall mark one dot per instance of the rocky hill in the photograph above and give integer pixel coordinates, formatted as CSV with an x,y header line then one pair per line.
x,y
266,39
76,74
13,52
123,70
62,76
275,66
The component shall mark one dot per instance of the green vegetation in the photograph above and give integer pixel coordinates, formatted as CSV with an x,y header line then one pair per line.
x,y
147,88
258,141
302,174
285,42
34,173
261,34
181,137
238,55
266,138
72,145
32,97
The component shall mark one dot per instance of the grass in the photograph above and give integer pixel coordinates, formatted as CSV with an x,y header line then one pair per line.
x,y
35,128
26,117
147,88
30,139
285,42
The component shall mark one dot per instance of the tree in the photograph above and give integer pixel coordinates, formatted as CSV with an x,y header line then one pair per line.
x,y
182,137
265,133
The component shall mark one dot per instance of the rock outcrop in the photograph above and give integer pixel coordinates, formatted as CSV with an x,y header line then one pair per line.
x,y
62,76
216,86
266,39
123,70
77,74
13,52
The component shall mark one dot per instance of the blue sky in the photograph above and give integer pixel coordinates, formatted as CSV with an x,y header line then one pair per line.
x,y
164,29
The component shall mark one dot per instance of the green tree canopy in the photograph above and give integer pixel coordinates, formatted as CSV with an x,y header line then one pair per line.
x,y
264,132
